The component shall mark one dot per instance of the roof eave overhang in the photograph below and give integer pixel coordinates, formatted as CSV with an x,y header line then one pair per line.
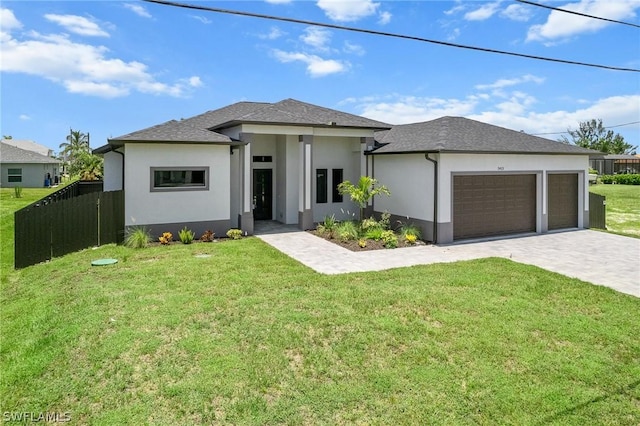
x,y
275,123
117,143
449,151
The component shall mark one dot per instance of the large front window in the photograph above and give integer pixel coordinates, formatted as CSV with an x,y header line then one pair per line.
x,y
179,178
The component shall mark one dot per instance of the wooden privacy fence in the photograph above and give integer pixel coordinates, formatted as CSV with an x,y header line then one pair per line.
x,y
47,230
597,211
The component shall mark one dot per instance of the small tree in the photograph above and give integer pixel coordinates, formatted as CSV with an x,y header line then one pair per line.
x,y
363,192
593,135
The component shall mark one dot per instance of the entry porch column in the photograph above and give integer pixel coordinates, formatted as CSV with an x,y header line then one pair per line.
x,y
305,211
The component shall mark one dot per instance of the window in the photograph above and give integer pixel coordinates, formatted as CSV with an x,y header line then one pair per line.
x,y
14,175
179,178
336,197
321,185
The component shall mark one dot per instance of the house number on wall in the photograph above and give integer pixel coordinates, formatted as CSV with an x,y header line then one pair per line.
x,y
500,167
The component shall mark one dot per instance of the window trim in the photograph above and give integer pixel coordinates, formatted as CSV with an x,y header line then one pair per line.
x,y
12,176
154,188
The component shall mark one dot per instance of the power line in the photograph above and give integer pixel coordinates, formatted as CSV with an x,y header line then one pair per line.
x,y
578,13
608,127
386,34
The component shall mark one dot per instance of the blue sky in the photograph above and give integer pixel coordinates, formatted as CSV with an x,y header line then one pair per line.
x,y
109,67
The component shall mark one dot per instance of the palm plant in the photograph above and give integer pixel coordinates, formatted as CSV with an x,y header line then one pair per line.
x,y
363,192
72,150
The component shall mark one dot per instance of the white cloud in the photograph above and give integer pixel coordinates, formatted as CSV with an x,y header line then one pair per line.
x,y
82,68
316,66
274,33
516,12
385,18
506,82
397,109
561,25
24,117
455,9
354,49
515,110
454,34
484,12
613,110
138,10
77,25
345,11
8,21
316,37
194,81
201,19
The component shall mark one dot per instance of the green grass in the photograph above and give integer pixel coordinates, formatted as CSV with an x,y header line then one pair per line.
x,y
249,336
8,205
623,208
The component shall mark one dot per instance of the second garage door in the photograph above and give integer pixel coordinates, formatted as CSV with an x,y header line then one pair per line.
x,y
488,205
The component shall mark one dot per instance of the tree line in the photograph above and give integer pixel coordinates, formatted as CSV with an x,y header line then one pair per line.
x,y
593,135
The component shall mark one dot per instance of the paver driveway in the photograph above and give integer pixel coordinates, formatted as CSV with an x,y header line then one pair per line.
x,y
597,257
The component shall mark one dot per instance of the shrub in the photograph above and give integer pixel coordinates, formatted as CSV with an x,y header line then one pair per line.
x,y
17,191
374,233
234,234
385,220
362,243
328,226
410,229
166,238
137,237
369,224
410,239
186,235
627,179
389,239
606,179
621,179
347,231
207,237
593,171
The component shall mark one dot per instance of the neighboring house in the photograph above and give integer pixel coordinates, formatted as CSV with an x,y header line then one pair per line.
x,y
282,161
28,169
29,145
612,164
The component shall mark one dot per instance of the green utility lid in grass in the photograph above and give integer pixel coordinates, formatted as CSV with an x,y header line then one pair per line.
x,y
103,262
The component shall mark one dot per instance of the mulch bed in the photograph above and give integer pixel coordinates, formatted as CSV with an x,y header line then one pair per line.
x,y
371,244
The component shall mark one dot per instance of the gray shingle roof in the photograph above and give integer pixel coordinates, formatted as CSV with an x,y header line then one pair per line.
x,y
174,131
201,128
458,134
12,154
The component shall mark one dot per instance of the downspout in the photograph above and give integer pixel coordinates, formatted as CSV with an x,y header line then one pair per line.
x,y
435,196
121,153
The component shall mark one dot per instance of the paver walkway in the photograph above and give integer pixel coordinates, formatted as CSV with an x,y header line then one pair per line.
x,y
597,257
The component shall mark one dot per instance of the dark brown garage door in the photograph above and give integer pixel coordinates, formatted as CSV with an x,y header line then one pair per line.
x,y
486,205
563,201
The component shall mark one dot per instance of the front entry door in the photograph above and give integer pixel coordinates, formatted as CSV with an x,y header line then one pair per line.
x,y
262,194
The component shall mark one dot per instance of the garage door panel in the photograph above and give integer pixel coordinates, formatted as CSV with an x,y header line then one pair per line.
x,y
562,201
487,205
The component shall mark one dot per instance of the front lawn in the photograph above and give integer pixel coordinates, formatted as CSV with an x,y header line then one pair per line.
x,y
249,336
623,208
